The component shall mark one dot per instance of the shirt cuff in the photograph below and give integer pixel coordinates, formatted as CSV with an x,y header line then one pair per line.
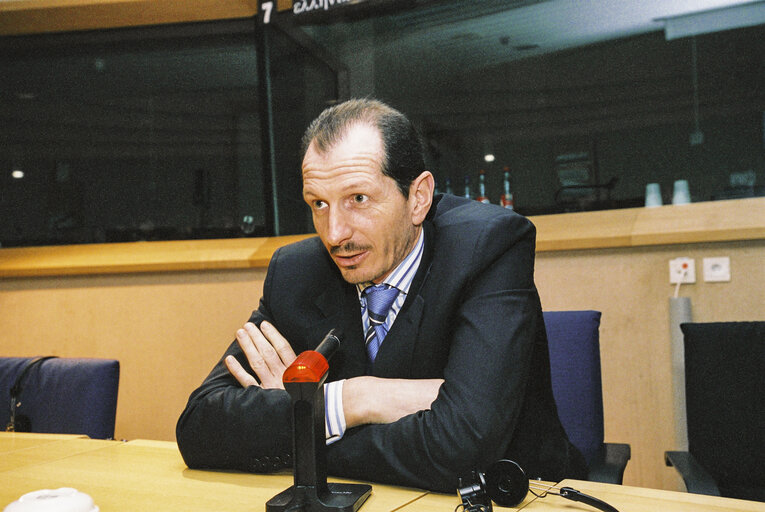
x,y
334,417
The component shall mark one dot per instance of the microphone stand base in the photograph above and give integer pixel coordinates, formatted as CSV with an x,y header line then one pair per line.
x,y
337,498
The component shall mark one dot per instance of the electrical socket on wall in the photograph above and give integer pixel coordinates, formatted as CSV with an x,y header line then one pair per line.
x,y
716,269
682,268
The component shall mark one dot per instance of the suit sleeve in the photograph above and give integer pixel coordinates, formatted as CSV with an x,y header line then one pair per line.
x,y
491,332
226,426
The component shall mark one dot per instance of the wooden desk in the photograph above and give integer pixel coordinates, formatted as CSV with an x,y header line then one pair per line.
x,y
638,499
20,449
623,498
16,441
436,502
148,475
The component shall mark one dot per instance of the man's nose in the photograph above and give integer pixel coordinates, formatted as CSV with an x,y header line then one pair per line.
x,y
339,228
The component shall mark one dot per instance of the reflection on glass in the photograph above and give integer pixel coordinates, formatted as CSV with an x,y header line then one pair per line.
x,y
156,133
535,84
247,225
146,134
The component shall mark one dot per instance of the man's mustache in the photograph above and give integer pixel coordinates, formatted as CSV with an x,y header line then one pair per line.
x,y
348,248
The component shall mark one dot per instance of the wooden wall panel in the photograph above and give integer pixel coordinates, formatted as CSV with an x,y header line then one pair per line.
x,y
167,330
631,288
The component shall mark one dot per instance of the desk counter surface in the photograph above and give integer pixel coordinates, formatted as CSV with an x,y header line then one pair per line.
x,y
715,221
150,475
623,498
144,475
638,499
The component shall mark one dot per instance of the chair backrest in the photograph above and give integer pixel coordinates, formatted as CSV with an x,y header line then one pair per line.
x,y
725,403
574,345
62,395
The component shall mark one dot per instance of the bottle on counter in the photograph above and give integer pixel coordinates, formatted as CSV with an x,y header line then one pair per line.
x,y
467,194
482,188
448,186
507,196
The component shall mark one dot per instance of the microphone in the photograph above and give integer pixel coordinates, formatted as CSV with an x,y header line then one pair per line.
x,y
329,344
311,492
312,365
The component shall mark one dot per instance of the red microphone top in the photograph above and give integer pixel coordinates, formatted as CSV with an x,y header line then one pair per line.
x,y
309,366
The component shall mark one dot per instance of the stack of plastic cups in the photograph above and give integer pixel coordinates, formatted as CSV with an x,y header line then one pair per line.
x,y
681,194
652,195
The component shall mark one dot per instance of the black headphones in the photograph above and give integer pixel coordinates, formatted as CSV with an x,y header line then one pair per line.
x,y
19,422
505,483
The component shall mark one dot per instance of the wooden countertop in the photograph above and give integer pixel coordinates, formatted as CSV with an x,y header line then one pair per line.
x,y
148,475
716,221
711,221
40,16
131,257
151,475
623,498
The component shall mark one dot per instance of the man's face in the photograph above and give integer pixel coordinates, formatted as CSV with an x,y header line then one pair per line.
x,y
361,216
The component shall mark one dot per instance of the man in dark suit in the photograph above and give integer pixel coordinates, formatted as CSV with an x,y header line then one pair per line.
x,y
450,377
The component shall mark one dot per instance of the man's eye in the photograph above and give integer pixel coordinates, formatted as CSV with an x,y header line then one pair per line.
x,y
359,198
319,204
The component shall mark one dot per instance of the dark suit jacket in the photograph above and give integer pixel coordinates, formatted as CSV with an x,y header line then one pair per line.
x,y
472,317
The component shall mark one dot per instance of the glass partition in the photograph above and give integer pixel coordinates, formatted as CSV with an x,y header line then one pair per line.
x,y
133,134
192,131
577,123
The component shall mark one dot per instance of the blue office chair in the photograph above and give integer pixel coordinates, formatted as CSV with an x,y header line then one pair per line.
x,y
574,345
725,410
59,395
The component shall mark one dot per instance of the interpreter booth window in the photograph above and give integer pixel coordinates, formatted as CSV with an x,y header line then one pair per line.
x,y
132,134
565,106
193,131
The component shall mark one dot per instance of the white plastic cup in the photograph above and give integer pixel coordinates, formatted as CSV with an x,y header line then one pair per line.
x,y
652,195
681,194
64,498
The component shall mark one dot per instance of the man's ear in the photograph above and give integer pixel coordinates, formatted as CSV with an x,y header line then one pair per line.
x,y
421,196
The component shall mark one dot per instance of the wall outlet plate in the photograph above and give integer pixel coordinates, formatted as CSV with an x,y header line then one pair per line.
x,y
682,268
716,269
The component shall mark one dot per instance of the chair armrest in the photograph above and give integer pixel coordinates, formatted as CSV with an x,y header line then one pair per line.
x,y
697,479
609,464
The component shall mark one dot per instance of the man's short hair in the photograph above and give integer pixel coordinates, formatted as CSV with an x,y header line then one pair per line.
x,y
404,155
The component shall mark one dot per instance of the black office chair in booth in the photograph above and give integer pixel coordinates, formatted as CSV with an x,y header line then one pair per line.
x,y
59,395
725,410
574,345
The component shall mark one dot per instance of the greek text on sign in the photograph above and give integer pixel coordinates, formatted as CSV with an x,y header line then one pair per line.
x,y
303,6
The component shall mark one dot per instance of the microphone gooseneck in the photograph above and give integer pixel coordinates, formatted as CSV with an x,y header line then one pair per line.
x,y
329,344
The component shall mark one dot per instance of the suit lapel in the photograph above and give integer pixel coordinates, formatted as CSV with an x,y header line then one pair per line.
x,y
339,307
395,357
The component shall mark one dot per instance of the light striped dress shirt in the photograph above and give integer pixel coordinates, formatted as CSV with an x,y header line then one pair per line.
x,y
401,279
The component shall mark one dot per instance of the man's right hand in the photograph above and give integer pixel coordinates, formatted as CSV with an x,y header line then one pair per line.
x,y
267,352
365,399
375,400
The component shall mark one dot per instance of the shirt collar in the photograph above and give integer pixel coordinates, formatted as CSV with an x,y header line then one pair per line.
x,y
402,276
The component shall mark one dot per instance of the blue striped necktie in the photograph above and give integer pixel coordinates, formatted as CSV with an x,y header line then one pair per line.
x,y
380,297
